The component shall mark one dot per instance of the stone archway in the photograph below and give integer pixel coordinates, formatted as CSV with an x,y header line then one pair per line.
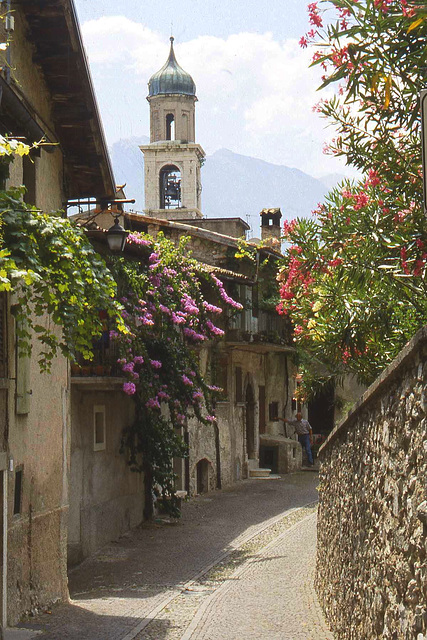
x,y
250,421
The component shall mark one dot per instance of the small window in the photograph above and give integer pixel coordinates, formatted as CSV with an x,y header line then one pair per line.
x,y
99,443
17,500
170,127
273,411
239,385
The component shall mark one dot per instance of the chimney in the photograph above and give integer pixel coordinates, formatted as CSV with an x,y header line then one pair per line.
x,y
270,227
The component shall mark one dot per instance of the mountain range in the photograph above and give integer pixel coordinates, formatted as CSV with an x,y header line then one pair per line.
x,y
234,185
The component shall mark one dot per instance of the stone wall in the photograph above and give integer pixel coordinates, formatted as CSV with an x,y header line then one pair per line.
x,y
372,527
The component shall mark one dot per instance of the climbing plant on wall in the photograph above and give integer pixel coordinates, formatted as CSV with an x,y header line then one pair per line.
x,y
54,275
56,279
167,318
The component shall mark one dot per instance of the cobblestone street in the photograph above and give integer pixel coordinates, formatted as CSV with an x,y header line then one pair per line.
x,y
240,562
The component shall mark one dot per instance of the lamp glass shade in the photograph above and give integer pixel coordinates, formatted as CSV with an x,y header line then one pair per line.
x,y
116,237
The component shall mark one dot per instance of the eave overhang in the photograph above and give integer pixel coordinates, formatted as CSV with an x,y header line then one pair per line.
x,y
55,33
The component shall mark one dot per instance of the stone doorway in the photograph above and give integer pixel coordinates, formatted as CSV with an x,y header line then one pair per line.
x,y
250,422
202,476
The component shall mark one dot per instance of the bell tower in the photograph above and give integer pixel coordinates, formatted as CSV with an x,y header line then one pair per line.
x,y
172,159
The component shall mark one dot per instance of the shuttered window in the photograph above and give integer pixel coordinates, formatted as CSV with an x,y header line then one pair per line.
x,y
23,381
3,336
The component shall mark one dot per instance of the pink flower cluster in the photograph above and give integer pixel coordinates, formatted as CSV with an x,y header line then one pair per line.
x,y
224,295
216,331
129,388
211,308
153,403
193,335
188,305
136,238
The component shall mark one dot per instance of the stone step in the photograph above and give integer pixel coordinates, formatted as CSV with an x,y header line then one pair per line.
x,y
259,473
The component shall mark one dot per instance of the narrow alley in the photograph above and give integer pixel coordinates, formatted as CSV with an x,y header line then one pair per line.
x,y
239,562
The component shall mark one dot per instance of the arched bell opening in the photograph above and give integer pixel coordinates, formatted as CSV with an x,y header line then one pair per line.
x,y
170,187
170,127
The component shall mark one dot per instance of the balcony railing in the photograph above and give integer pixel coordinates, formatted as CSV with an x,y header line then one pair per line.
x,y
267,327
104,362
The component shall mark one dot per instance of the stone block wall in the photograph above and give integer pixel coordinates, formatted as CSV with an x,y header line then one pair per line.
x,y
372,528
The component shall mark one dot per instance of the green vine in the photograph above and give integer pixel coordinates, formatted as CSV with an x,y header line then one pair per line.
x,y
57,279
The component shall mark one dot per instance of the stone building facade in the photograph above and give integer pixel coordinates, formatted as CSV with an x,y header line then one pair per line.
x,y
39,103
252,363
372,527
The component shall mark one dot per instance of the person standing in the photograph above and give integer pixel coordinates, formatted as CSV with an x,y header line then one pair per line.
x,y
304,431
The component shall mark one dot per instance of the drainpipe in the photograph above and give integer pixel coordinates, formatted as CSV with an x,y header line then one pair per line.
x,y
218,456
4,559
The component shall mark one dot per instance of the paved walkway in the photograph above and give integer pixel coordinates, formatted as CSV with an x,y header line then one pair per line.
x,y
179,581
271,596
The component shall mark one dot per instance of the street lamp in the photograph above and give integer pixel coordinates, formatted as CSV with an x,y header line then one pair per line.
x,y
116,236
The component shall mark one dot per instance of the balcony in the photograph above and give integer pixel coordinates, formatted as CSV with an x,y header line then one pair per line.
x,y
266,332
100,374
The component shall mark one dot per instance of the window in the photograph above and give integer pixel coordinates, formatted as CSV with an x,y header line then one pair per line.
x,y
273,411
170,127
17,499
239,384
99,443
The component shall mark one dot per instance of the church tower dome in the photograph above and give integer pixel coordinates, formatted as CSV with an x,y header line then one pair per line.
x,y
171,79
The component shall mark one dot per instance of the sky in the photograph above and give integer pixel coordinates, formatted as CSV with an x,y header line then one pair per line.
x,y
254,85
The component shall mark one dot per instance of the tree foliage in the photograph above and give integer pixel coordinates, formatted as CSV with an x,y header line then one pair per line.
x,y
354,276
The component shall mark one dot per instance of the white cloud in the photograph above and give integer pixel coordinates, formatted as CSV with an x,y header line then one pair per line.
x,y
255,93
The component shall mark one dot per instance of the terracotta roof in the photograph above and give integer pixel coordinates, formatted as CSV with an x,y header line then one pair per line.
x,y
226,273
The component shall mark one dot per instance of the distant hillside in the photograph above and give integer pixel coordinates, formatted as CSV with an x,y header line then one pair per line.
x,y
128,166
233,184
331,180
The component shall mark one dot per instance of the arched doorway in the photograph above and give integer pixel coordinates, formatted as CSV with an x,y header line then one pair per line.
x,y
170,187
250,421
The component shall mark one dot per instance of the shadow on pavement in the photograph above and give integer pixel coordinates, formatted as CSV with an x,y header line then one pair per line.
x,y
119,586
